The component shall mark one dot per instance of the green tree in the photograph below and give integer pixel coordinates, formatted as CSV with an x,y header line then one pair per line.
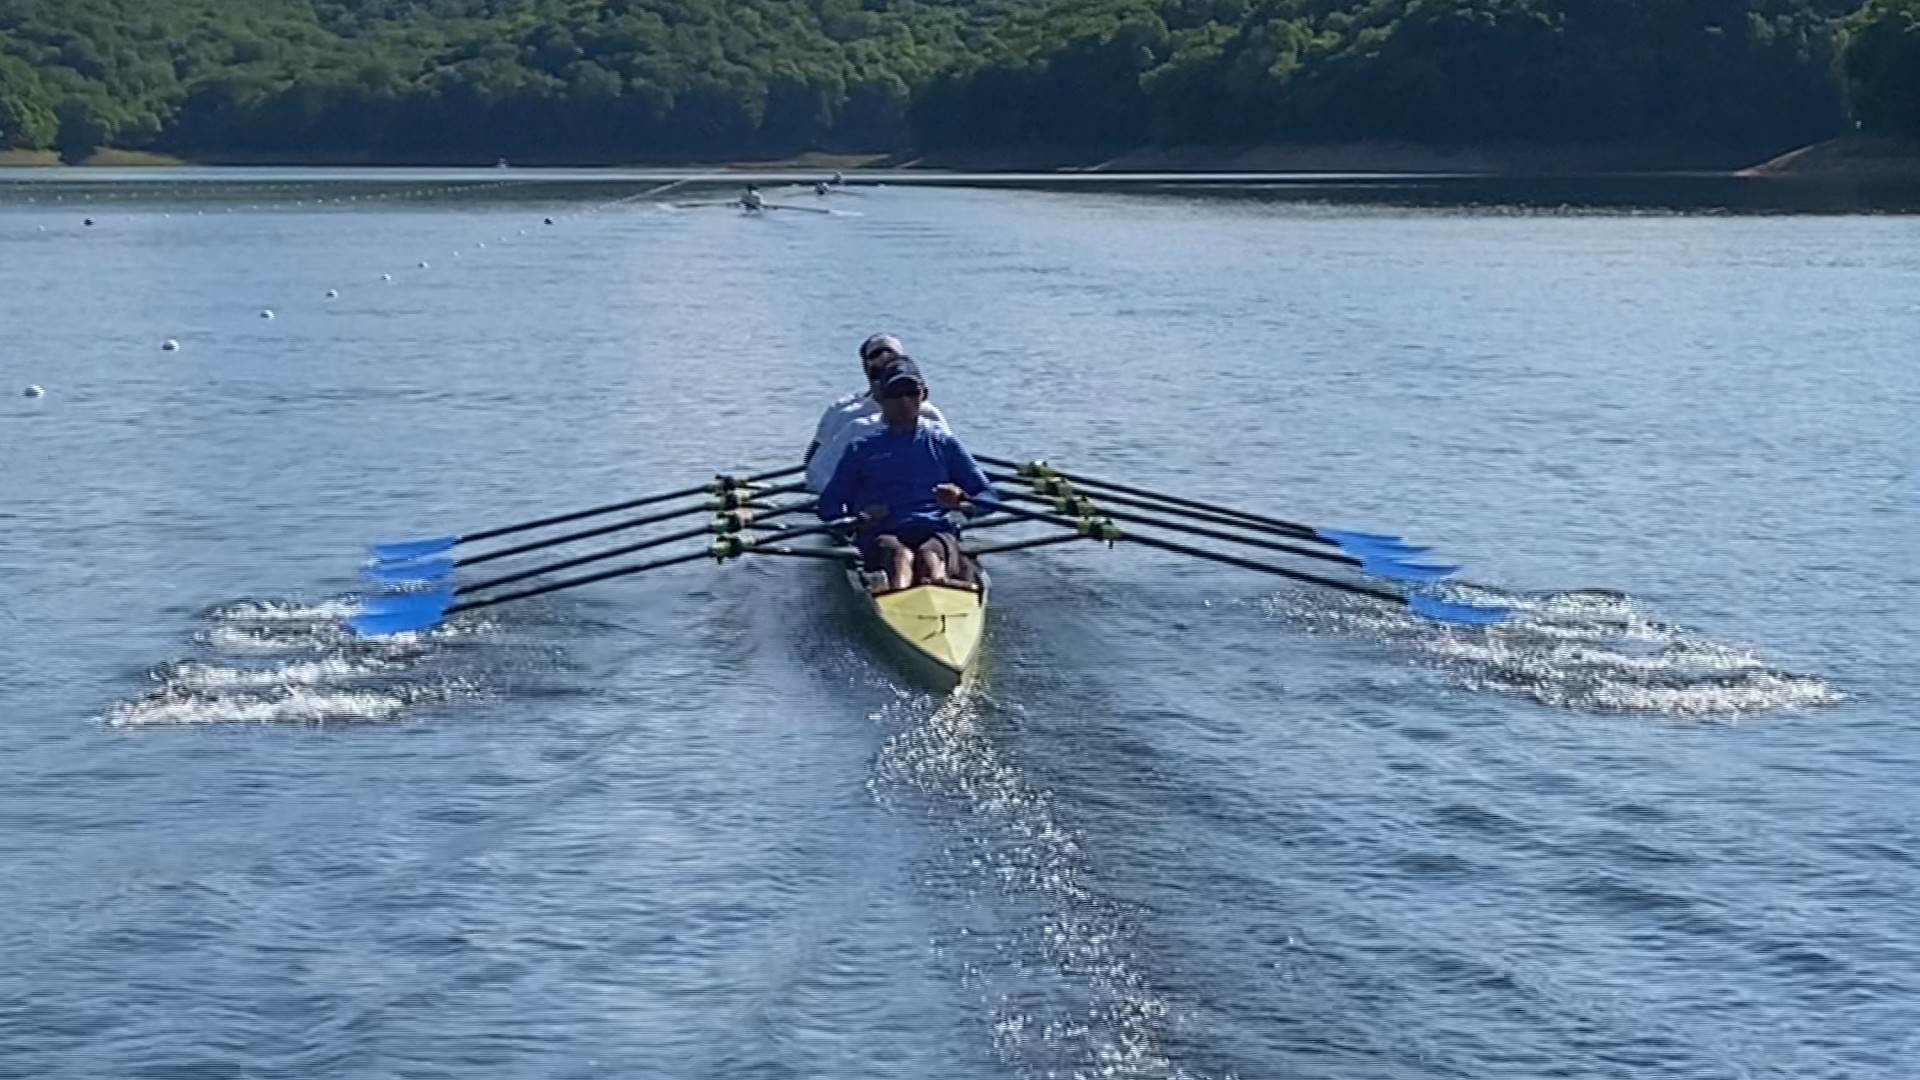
x,y
83,129
27,119
1882,57
468,80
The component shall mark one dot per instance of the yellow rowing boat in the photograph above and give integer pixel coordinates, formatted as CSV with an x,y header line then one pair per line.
x,y
940,625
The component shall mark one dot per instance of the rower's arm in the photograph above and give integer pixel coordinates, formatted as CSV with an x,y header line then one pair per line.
x,y
832,503
963,471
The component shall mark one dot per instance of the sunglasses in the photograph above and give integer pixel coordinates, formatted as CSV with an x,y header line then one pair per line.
x,y
879,356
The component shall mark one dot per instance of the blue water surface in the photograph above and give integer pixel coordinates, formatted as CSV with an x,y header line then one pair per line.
x,y
1188,821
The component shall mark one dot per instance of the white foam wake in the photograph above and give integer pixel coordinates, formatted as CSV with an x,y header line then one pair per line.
x,y
1588,651
279,661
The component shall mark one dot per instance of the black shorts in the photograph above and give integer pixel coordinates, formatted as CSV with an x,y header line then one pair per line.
x,y
879,551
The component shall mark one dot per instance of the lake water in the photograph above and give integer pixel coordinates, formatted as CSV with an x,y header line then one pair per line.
x,y
1189,823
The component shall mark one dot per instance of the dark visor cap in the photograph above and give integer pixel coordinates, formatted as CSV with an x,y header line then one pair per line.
x,y
899,375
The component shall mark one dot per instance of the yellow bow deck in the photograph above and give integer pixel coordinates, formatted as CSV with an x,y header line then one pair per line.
x,y
941,624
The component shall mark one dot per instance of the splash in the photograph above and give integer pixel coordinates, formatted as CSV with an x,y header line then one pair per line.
x,y
288,705
1588,651
285,662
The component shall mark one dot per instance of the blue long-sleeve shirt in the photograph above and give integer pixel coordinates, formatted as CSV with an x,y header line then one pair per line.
x,y
899,470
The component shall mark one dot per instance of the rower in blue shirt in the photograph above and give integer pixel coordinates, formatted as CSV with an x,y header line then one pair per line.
x,y
902,480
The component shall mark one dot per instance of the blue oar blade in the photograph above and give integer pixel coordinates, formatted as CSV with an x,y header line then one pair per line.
x,y
404,622
1405,571
412,549
405,573
1390,551
395,603
1464,614
1362,539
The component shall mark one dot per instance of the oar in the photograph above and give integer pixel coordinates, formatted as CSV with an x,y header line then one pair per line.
x,y
1023,545
722,525
1429,606
418,570
802,209
413,549
1373,562
435,607
1345,538
1058,487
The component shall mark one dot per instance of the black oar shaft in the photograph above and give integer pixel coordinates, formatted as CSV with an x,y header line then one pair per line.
x,y
598,556
613,508
839,555
1213,556
715,505
555,586
611,553
1022,545
623,571
1211,534
1304,531
1265,568
1212,517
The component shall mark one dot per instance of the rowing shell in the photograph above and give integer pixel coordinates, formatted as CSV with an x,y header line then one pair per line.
x,y
938,624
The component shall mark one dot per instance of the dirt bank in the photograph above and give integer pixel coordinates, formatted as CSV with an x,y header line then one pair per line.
x,y
1851,158
1515,159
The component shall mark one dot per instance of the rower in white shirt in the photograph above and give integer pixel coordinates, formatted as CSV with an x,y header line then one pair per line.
x,y
858,413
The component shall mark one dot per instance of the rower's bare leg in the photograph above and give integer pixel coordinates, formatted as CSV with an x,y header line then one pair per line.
x,y
933,564
901,576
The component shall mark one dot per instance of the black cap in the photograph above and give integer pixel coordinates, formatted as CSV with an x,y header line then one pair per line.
x,y
899,372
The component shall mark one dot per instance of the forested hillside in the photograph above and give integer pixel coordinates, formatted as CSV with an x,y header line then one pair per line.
x,y
443,80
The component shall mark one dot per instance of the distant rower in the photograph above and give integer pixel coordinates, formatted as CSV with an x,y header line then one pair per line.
x,y
752,200
858,413
820,187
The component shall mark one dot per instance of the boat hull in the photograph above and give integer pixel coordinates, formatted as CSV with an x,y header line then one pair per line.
x,y
940,627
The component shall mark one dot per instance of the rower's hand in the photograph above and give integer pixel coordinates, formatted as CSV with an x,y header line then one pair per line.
x,y
950,496
872,515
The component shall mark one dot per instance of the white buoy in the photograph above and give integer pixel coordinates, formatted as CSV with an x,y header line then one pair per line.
x,y
35,391
423,264
169,345
266,313
386,277
333,294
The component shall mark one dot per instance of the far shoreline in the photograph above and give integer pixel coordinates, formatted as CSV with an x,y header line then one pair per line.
x,y
1853,158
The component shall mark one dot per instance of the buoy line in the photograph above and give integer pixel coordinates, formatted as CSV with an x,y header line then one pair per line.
x,y
334,294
